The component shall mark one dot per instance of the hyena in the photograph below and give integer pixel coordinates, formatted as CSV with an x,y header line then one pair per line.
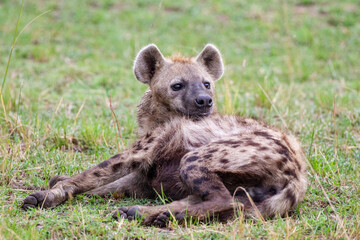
x,y
208,164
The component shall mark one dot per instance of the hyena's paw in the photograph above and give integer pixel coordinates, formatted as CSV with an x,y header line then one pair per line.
x,y
56,179
162,219
130,213
42,199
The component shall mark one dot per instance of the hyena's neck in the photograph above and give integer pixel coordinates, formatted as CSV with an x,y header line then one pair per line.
x,y
151,114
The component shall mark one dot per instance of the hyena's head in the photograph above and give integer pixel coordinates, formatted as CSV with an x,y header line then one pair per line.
x,y
184,86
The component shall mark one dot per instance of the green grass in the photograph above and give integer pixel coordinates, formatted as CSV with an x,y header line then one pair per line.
x,y
287,62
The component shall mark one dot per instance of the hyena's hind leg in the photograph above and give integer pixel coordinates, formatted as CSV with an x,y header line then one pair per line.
x,y
209,197
151,215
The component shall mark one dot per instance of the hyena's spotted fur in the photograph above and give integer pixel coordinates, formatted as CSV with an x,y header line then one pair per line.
x,y
207,163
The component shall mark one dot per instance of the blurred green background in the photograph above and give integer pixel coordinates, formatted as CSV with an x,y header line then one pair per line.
x,y
289,63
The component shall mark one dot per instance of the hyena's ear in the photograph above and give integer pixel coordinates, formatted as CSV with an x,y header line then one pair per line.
x,y
210,58
147,62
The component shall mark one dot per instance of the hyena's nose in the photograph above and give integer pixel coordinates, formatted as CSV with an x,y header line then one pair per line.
x,y
203,101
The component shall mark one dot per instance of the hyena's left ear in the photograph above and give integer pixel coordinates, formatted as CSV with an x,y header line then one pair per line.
x,y
147,62
210,58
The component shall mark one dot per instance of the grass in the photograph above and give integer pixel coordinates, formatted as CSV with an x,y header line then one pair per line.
x,y
290,63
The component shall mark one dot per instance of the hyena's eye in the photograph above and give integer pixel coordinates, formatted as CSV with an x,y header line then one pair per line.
x,y
207,85
177,87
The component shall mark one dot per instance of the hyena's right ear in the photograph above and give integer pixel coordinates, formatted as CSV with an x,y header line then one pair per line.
x,y
147,62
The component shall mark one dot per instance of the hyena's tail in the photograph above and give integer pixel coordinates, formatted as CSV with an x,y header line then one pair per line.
x,y
289,197
285,201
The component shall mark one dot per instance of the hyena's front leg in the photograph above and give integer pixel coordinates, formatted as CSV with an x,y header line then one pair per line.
x,y
100,175
134,184
54,180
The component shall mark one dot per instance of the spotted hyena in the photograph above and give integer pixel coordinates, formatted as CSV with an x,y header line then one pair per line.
x,y
208,164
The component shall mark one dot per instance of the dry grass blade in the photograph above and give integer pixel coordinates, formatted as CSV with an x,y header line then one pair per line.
x,y
273,105
78,113
257,212
335,140
16,37
116,127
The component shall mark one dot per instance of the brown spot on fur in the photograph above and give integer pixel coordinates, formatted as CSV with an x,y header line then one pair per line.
x,y
204,169
283,150
96,174
135,165
208,156
103,164
213,150
205,194
116,167
263,134
280,164
297,164
229,142
215,188
290,195
263,148
268,172
184,175
200,180
150,140
290,172
191,167
224,161
192,159
252,143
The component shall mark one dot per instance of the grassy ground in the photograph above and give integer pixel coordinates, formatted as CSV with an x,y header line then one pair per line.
x,y
290,63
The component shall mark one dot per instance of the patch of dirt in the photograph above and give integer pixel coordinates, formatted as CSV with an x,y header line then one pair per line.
x,y
173,9
308,9
19,185
223,18
117,7
94,4
69,144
